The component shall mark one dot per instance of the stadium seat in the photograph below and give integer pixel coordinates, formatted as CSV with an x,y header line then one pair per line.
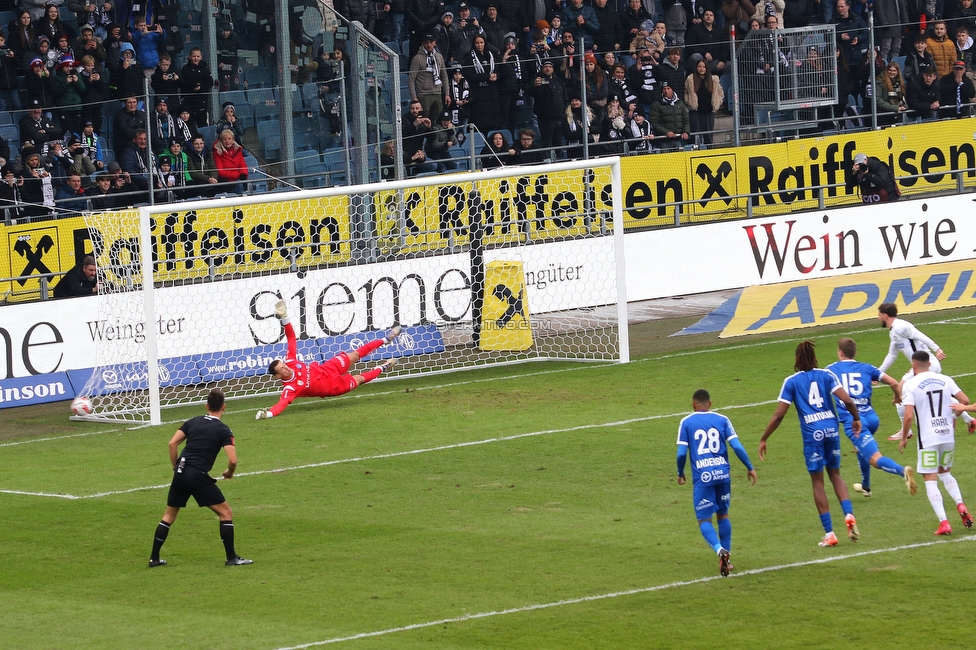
x,y
6,117
236,97
258,78
335,161
272,147
315,175
262,96
11,134
900,60
310,96
209,134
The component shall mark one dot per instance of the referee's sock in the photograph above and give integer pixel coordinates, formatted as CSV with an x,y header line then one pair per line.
x,y
162,530
227,537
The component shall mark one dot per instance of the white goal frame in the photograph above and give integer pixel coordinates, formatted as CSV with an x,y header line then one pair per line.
x,y
148,213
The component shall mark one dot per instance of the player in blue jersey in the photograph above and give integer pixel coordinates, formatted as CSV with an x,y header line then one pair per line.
x,y
810,388
706,436
857,378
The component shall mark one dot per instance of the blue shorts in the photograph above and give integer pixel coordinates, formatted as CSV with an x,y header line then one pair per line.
x,y
869,423
711,498
822,454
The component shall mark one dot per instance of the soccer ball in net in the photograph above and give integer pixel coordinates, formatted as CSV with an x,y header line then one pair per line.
x,y
81,406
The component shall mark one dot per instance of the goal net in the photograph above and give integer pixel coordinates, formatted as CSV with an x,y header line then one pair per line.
x,y
501,266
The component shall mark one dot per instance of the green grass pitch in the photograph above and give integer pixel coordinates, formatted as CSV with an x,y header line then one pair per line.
x,y
531,506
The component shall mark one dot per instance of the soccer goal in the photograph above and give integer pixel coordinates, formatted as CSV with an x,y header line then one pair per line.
x,y
494,267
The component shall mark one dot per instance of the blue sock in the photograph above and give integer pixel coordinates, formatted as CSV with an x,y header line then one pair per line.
x,y
825,520
708,532
865,472
886,464
725,533
846,506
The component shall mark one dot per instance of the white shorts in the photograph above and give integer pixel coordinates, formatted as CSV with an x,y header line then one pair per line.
x,y
932,458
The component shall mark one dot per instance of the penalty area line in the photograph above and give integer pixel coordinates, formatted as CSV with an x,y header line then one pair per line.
x,y
618,594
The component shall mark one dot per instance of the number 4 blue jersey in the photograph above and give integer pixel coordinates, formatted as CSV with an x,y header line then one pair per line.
x,y
811,392
705,434
856,377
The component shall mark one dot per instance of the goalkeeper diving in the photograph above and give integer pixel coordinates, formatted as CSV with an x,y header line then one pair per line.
x,y
326,379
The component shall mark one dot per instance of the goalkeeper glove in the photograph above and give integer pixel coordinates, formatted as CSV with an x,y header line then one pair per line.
x,y
281,309
263,414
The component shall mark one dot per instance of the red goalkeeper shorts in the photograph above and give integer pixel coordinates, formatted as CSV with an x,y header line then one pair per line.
x,y
331,378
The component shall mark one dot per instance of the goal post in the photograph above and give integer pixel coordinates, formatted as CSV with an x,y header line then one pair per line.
x,y
494,267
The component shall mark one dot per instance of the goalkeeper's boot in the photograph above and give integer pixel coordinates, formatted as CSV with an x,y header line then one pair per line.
x,y
828,540
393,333
237,560
852,532
967,519
387,365
944,528
724,563
156,562
860,489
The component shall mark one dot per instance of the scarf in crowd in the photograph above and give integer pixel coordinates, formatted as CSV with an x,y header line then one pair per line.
x,y
479,66
432,67
670,101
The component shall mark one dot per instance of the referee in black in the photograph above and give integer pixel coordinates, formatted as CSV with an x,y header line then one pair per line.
x,y
205,436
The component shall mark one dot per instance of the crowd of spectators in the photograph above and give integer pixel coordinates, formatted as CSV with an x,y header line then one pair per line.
x,y
552,76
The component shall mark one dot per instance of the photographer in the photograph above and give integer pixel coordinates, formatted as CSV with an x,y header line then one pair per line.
x,y
88,45
874,180
146,41
165,80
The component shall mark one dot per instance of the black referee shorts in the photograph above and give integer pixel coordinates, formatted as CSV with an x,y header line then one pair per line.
x,y
193,482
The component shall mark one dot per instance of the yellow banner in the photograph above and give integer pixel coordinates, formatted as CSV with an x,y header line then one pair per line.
x,y
505,321
825,301
781,174
516,209
186,244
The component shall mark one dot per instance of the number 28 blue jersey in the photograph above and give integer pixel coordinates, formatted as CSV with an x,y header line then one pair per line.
x,y
811,392
856,378
705,434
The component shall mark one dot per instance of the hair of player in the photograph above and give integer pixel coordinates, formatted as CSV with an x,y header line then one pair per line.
x,y
806,356
848,347
273,366
701,396
215,400
888,309
921,356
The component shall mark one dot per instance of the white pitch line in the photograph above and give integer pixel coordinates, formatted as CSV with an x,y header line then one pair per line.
x,y
42,494
409,452
616,594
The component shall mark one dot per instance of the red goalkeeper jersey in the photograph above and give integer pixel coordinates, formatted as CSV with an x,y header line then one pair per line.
x,y
314,379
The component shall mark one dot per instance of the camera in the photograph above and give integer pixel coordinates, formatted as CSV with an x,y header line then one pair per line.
x,y
862,167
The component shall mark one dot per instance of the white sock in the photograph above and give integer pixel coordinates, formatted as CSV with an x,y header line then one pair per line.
x,y
966,417
901,412
935,498
949,481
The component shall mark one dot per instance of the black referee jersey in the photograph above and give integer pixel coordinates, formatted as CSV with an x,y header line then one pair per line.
x,y
205,437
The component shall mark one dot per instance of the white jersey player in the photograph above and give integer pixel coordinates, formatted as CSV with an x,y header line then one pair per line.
x,y
927,397
906,338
